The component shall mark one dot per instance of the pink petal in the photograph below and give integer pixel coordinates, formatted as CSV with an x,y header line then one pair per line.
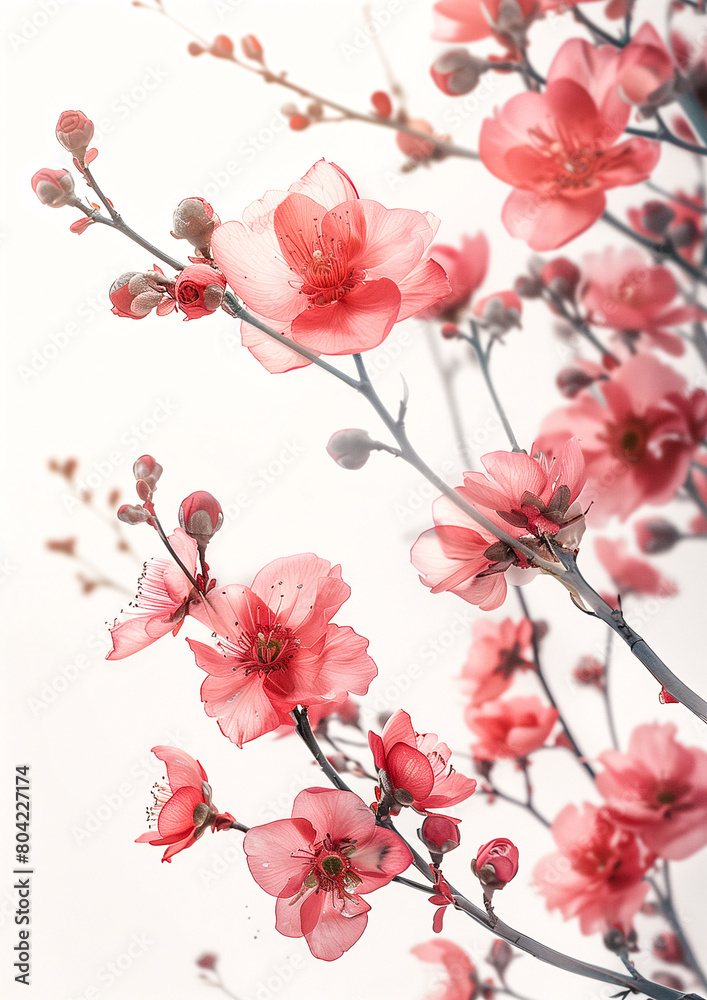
x,y
274,357
181,768
411,770
276,855
326,184
546,223
177,814
426,284
360,320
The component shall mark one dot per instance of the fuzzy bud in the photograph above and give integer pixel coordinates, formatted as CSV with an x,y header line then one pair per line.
x,y
561,276
496,863
54,188
500,311
656,216
199,290
528,286
147,469
668,948
133,295
133,514
655,535
450,331
500,956
74,131
207,961
571,381
195,220
457,72
350,448
200,515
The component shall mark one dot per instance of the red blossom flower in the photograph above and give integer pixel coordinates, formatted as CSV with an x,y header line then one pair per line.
x,y
559,148
513,727
630,574
199,290
466,269
182,810
331,271
638,445
277,648
320,863
658,790
497,651
496,863
462,981
597,874
417,767
621,289
74,131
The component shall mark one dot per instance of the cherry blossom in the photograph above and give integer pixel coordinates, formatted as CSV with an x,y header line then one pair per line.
x,y
320,863
462,982
638,445
559,148
466,269
658,790
417,767
621,289
513,727
328,269
277,648
497,651
182,810
597,874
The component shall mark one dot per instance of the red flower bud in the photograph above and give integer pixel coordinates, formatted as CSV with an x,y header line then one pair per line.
x,y
570,381
500,956
496,863
134,296
416,149
194,220
200,515
655,534
199,290
54,187
457,72
133,514
194,49
439,834
74,131
252,49
450,331
668,948
500,311
382,104
561,276
350,448
299,122
147,469
207,961
222,47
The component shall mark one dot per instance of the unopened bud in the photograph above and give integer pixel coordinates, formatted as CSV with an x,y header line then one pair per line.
x,y
299,122
74,131
450,331
500,956
133,295
439,834
655,535
457,72
200,515
670,980
415,148
668,948
685,234
570,381
199,290
351,448
194,49
54,188
207,961
528,286
195,220
133,514
656,217
561,275
382,104
496,863
148,469
500,311
252,49
222,47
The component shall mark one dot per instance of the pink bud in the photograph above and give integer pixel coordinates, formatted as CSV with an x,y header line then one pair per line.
x,y
299,122
195,220
500,311
199,290
668,948
496,863
416,149
500,956
133,514
222,47
528,286
457,72
200,515
450,331
656,216
350,448
561,275
590,672
439,834
656,534
54,187
194,49
207,961
148,469
382,104
74,131
252,49
133,296
570,381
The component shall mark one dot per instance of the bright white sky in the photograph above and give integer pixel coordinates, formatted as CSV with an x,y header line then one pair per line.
x,y
111,389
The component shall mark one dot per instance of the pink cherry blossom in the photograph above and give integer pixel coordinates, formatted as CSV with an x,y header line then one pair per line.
x,y
497,651
646,70
638,445
597,874
417,766
462,981
331,271
623,290
559,151
513,727
182,810
531,495
277,648
630,574
658,790
165,597
466,269
320,863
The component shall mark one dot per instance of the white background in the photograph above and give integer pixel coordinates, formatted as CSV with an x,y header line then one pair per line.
x,y
108,919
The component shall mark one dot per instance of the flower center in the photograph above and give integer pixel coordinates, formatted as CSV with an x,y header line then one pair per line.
x,y
270,647
570,163
331,869
326,276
